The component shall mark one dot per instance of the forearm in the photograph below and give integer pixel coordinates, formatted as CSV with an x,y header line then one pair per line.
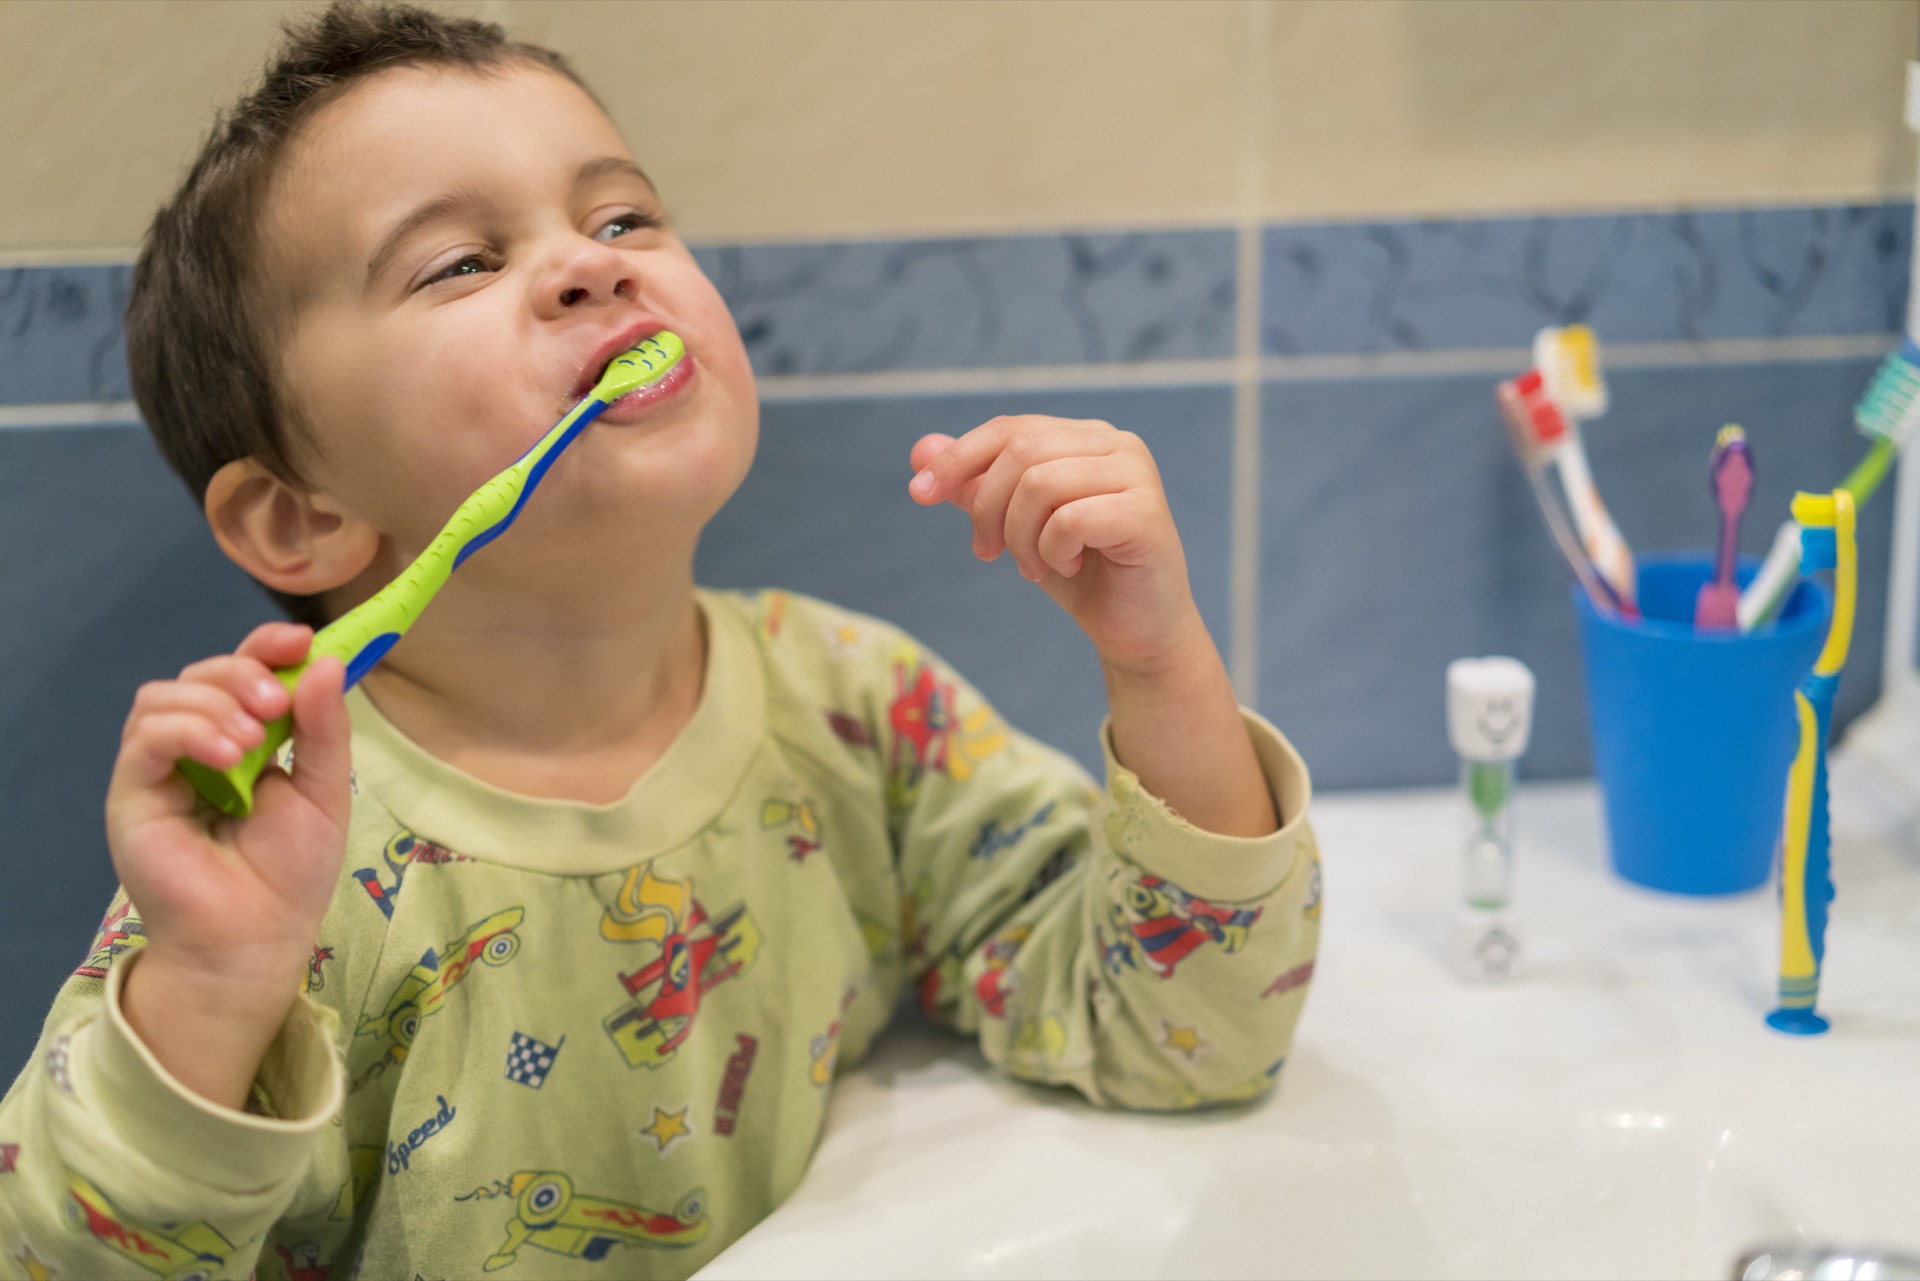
x,y
1176,724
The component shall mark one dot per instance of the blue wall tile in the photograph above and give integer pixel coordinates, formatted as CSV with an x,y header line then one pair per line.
x,y
963,304
61,334
1399,534
825,511
109,579
1637,277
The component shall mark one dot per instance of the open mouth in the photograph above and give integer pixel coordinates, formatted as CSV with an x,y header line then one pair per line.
x,y
621,340
642,398
636,402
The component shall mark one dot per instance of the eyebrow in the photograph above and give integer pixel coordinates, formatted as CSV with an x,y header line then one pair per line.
x,y
440,207
605,165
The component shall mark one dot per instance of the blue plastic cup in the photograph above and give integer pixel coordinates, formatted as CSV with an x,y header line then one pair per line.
x,y
1693,733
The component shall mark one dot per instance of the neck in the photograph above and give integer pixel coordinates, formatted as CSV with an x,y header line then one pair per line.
x,y
573,694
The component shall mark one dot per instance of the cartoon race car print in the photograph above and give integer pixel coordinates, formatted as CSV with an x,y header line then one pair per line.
x,y
697,954
998,979
1166,924
930,733
425,987
549,1215
119,930
178,1252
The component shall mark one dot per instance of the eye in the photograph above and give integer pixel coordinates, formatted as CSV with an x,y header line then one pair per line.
x,y
624,224
470,265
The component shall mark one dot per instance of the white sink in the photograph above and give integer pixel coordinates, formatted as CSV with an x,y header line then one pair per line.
x,y
1620,1110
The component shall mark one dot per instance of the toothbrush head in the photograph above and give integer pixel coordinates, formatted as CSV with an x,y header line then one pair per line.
x,y
1890,408
645,363
1568,359
1534,422
1731,468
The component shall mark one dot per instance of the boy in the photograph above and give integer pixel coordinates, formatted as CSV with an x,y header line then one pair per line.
x,y
541,958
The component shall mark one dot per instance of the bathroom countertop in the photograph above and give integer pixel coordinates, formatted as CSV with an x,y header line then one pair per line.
x,y
1618,1109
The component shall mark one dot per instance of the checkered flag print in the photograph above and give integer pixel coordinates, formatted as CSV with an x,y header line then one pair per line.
x,y
59,1065
529,1061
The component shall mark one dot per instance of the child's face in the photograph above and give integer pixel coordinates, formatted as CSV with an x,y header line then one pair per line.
x,y
459,255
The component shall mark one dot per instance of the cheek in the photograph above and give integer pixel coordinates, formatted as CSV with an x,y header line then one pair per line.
x,y
414,422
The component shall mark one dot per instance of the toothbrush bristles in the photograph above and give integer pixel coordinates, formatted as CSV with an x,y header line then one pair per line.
x,y
1890,407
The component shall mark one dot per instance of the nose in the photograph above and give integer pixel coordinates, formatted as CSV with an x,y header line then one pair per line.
x,y
584,273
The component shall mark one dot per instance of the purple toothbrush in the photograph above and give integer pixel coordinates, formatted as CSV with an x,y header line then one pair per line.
x,y
1717,608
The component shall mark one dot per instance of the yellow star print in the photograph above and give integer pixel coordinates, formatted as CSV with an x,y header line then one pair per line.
x,y
35,1268
667,1128
1184,1039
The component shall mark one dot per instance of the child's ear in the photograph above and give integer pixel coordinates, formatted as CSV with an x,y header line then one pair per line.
x,y
291,539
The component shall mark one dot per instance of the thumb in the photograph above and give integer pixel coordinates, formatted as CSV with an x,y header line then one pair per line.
x,y
322,736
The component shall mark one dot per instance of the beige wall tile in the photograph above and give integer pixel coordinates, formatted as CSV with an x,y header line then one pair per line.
x,y
1412,106
103,104
817,118
770,120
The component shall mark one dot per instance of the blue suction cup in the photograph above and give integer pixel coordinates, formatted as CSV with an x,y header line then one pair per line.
x,y
1797,1022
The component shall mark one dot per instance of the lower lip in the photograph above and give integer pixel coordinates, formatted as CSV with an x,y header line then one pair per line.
x,y
637,404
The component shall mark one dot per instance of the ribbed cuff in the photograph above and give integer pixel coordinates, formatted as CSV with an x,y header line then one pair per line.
x,y
1144,831
301,1081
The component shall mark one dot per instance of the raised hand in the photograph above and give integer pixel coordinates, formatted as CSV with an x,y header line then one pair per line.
x,y
1080,507
231,908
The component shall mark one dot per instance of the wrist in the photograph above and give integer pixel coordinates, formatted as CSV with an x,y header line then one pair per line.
x,y
208,1031
1186,654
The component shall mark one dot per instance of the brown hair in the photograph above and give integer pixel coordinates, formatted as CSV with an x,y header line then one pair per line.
x,y
199,339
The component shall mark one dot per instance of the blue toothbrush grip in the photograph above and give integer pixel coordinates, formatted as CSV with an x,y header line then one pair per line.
x,y
1819,549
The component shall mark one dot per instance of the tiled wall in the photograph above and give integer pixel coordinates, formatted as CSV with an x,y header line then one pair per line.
x,y
1391,533
1387,529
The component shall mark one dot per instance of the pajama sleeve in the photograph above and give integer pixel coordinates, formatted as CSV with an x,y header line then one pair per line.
x,y
111,1168
1089,936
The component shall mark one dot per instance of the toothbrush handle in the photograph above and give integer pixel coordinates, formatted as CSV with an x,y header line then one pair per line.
x,y
1806,881
1563,537
1778,573
1601,536
1729,543
362,636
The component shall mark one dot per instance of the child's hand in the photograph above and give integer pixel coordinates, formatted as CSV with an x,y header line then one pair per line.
x,y
1081,508
231,907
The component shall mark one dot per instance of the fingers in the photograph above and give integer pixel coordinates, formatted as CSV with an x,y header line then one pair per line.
x,y
277,644
156,738
1040,525
942,475
248,676
1110,523
214,711
214,705
1023,454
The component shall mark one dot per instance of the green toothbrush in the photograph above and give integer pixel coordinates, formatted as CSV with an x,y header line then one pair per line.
x,y
362,636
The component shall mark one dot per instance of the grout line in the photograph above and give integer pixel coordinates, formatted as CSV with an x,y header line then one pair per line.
x,y
941,382
1344,365
1243,372
1206,219
93,413
1243,569
1243,483
1747,351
